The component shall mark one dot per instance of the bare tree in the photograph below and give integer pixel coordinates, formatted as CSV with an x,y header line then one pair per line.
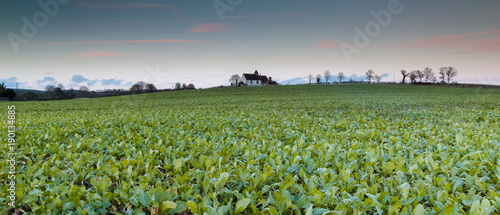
x,y
378,78
442,73
151,88
235,80
369,75
405,74
429,75
419,74
327,76
341,76
310,77
413,77
184,86
450,73
318,78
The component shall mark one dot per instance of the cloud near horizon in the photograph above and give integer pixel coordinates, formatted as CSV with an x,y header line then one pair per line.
x,y
99,54
47,80
212,27
461,44
329,44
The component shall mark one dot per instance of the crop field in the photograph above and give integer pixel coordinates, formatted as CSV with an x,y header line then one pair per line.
x,y
318,149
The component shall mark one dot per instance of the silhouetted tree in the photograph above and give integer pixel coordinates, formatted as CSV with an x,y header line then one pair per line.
x,y
318,78
341,76
413,76
428,74
369,75
151,88
405,74
450,73
178,86
327,76
190,86
442,73
235,80
420,75
135,89
377,78
184,86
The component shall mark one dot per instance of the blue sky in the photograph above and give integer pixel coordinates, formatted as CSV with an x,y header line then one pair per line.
x,y
115,43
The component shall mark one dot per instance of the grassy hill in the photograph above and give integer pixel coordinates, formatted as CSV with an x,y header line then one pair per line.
x,y
274,150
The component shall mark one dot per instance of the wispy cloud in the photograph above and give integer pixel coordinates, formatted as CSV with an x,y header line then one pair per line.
x,y
99,54
262,16
99,5
329,44
461,44
88,42
211,27
99,42
163,41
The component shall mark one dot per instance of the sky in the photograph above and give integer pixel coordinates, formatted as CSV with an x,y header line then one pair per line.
x,y
107,44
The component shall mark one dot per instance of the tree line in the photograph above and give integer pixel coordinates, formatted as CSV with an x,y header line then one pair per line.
x,y
446,74
59,92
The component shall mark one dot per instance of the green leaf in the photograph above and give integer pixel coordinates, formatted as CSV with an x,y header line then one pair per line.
x,y
318,211
419,210
241,205
192,206
273,210
167,206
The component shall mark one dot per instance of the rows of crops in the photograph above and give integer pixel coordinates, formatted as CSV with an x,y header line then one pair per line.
x,y
329,149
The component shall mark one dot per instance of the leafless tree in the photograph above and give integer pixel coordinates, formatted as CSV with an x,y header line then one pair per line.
x,y
235,80
413,76
405,74
419,74
341,76
450,73
318,78
378,78
310,77
369,75
327,76
429,75
442,73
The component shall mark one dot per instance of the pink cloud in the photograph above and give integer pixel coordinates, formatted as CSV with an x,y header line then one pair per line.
x,y
163,41
329,44
99,54
461,44
99,42
88,42
211,27
125,5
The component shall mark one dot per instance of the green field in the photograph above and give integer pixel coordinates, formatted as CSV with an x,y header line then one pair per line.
x,y
318,149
